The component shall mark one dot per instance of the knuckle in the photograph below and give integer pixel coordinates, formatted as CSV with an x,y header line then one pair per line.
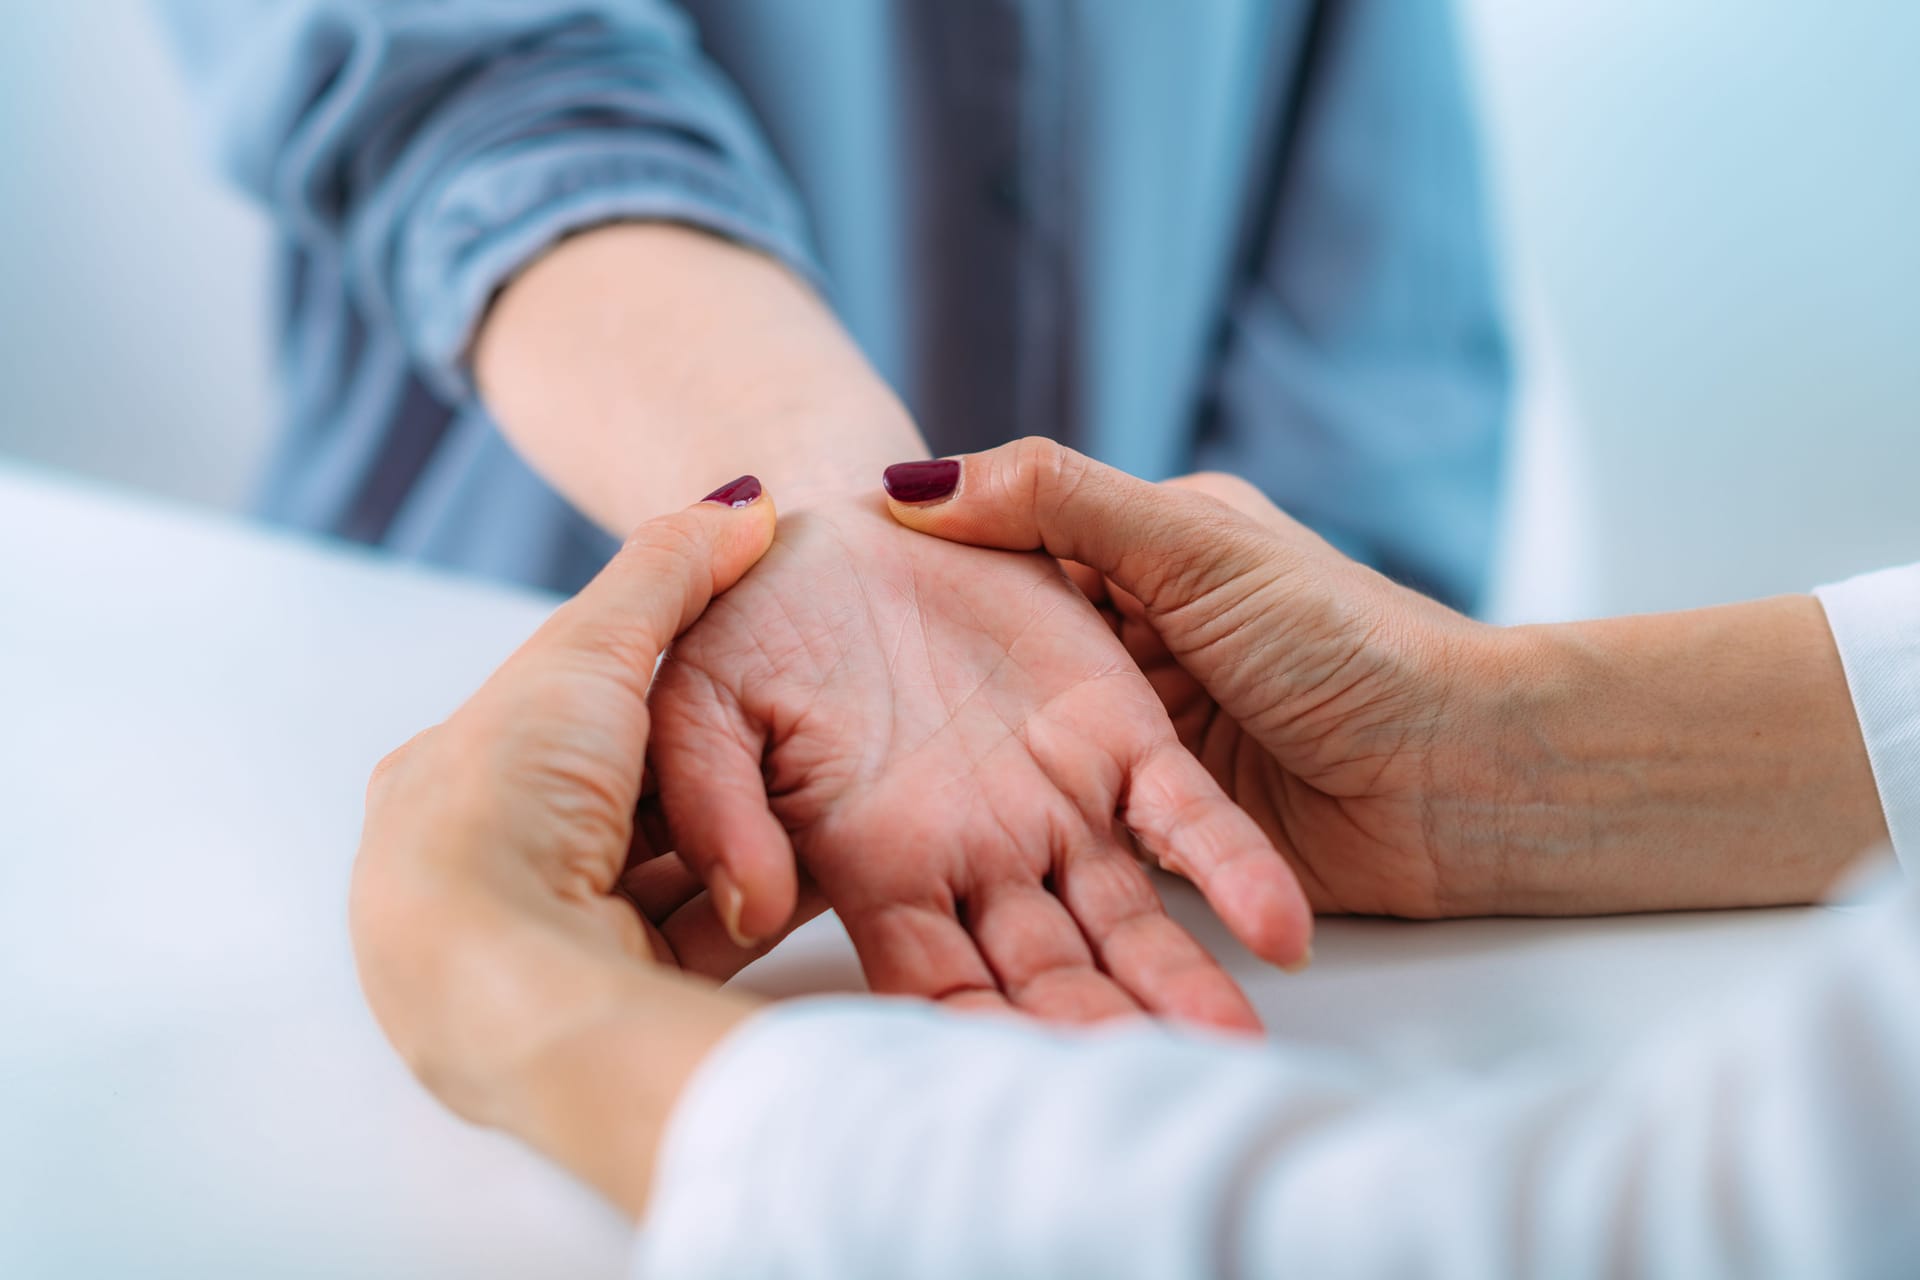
x,y
614,649
669,546
392,766
1053,472
1236,492
1244,497
1206,549
1032,461
661,575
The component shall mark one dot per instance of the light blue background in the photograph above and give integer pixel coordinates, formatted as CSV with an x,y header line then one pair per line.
x,y
1712,221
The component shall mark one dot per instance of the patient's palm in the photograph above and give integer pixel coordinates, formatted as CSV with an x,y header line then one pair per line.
x,y
962,754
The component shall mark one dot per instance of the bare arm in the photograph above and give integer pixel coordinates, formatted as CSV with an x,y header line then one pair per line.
x,y
1703,758
638,363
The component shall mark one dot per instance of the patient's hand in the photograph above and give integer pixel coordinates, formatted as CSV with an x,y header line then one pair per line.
x,y
964,758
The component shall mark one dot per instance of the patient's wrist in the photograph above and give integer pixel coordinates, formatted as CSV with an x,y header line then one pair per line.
x,y
849,462
638,365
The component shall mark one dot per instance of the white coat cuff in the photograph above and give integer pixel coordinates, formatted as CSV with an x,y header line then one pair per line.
x,y
1876,626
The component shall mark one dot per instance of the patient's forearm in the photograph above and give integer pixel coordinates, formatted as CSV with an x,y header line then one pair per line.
x,y
1705,758
637,366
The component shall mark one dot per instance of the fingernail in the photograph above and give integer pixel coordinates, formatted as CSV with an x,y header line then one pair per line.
x,y
728,901
736,493
1300,965
919,482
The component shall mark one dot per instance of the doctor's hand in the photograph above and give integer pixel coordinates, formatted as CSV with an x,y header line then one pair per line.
x,y
1315,690
519,935
1412,762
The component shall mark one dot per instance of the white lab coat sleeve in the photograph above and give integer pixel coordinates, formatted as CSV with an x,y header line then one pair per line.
x,y
854,1138
1780,1138
1876,626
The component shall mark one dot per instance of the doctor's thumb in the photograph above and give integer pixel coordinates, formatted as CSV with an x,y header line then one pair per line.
x,y
1166,545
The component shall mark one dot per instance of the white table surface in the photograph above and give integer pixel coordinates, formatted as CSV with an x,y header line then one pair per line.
x,y
189,1082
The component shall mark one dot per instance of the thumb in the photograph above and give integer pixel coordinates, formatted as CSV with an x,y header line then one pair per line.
x,y
560,730
670,568
1167,546
658,583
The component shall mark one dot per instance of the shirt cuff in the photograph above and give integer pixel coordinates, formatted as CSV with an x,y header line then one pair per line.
x,y
1876,626
496,218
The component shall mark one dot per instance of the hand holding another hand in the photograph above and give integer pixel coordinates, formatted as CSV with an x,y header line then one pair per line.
x,y
1412,762
518,935
957,750
1314,690
963,753
521,933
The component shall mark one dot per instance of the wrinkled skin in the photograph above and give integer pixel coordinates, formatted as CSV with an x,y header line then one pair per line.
x,y
959,752
1333,752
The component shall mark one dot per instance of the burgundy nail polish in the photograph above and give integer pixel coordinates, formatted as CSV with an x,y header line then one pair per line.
x,y
736,493
932,481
